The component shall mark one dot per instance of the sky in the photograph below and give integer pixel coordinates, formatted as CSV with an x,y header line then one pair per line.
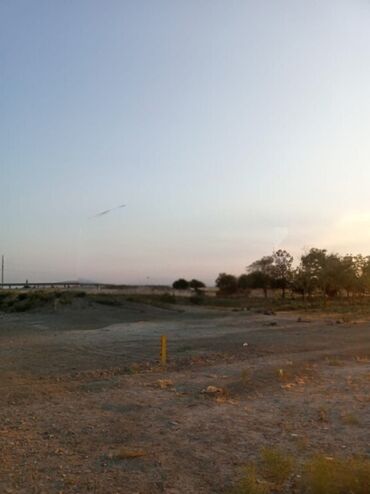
x,y
229,129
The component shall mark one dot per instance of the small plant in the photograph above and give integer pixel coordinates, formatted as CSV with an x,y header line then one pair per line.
x,y
323,414
246,376
276,467
350,419
250,484
319,475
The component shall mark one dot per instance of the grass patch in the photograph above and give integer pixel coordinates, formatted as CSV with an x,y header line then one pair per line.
x,y
251,484
323,475
276,472
275,466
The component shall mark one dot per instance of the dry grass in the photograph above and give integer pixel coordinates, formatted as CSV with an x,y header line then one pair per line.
x,y
276,467
350,419
335,362
323,414
277,472
251,484
324,475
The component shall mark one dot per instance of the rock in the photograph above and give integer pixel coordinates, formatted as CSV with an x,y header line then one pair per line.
x,y
213,390
164,383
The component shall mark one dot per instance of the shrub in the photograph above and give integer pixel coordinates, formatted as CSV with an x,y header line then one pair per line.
x,y
276,467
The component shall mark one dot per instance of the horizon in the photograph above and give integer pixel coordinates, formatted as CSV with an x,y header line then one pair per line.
x,y
228,130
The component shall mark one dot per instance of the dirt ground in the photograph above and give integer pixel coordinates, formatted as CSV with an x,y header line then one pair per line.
x,y
86,408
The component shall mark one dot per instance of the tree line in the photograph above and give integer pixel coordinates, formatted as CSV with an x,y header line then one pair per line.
x,y
318,272
182,284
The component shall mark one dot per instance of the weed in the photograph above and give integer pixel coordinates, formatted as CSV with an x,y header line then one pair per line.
x,y
246,376
319,475
250,484
350,419
324,475
276,467
322,414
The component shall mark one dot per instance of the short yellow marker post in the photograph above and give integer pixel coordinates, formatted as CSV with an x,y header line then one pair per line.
x,y
164,350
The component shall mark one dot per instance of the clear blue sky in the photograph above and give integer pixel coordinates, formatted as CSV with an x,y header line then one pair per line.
x,y
230,128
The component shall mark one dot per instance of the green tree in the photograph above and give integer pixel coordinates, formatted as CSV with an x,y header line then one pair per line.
x,y
282,272
244,282
180,284
196,284
262,273
327,272
227,283
302,282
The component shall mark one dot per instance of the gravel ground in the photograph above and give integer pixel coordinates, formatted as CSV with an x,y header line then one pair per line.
x,y
86,408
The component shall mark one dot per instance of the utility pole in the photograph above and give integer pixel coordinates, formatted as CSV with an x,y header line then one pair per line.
x,y
2,271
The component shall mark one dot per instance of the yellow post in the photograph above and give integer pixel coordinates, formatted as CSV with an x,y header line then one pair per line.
x,y
163,350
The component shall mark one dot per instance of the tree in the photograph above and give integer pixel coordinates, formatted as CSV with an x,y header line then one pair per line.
x,y
282,270
227,283
244,282
328,272
302,282
180,284
364,277
262,271
196,284
310,269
